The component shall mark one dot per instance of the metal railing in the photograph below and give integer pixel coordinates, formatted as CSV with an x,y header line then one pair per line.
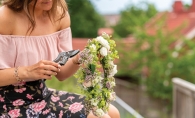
x,y
125,110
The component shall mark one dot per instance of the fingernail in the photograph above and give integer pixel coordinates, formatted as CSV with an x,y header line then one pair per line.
x,y
59,66
59,69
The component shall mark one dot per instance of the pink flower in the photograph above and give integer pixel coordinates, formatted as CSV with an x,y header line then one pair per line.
x,y
60,104
70,97
1,99
54,99
29,96
75,107
18,102
38,106
61,114
21,90
46,111
4,107
14,113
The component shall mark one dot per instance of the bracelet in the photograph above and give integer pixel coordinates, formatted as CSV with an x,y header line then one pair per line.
x,y
17,75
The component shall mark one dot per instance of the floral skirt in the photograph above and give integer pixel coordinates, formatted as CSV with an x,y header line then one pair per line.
x,y
35,100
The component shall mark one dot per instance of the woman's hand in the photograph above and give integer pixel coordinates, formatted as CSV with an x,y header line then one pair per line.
x,y
42,70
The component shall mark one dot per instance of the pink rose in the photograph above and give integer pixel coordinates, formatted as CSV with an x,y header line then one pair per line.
x,y
46,111
60,104
38,106
1,99
29,96
21,90
75,107
54,99
14,113
61,114
18,102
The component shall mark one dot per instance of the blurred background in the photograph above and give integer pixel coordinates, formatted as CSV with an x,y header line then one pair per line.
x,y
155,40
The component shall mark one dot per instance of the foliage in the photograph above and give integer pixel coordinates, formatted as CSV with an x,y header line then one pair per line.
x,y
134,17
156,59
85,21
66,85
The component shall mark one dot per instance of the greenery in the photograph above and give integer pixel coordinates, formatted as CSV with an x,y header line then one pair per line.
x,y
155,59
66,85
85,21
134,17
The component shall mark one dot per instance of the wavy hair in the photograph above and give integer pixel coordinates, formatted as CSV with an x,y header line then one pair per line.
x,y
23,5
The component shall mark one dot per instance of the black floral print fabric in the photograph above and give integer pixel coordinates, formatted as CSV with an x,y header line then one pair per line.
x,y
35,100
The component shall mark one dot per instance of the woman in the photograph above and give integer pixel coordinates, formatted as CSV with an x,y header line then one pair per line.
x,y
32,34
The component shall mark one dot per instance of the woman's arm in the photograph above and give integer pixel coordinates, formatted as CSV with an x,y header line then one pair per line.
x,y
69,68
42,70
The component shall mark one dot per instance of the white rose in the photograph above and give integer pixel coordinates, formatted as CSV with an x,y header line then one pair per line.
x,y
113,71
87,84
103,42
103,51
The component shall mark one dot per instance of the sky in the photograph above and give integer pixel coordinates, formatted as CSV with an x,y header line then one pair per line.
x,y
115,6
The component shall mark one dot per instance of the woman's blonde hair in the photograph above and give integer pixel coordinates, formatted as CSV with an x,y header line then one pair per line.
x,y
23,5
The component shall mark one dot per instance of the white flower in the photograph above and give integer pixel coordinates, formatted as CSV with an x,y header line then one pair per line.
x,y
103,51
93,47
87,84
103,42
112,96
94,102
97,80
111,63
113,71
99,112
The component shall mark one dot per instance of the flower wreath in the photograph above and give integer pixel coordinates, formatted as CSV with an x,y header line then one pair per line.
x,y
98,56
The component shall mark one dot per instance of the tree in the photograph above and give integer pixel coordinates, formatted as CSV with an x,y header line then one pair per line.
x,y
85,21
134,17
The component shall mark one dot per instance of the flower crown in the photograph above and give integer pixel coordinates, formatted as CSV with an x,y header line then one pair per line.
x,y
96,74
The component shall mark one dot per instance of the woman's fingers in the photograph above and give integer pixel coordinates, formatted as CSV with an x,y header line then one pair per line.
x,y
43,70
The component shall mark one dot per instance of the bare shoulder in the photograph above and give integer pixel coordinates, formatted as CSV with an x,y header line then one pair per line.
x,y
65,21
7,20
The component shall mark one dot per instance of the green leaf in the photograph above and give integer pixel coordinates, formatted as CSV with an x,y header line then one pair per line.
x,y
92,67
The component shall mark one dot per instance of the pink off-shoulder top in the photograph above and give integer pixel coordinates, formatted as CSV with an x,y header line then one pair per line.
x,y
27,50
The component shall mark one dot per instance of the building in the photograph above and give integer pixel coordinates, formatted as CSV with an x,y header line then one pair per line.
x,y
179,18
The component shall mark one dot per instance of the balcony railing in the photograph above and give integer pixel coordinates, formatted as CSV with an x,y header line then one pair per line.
x,y
183,99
